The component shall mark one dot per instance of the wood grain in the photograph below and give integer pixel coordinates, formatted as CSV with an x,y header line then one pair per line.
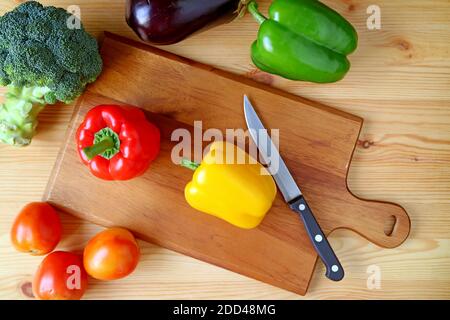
x,y
325,135
277,252
398,83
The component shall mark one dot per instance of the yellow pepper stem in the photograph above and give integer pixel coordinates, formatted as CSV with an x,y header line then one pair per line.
x,y
189,164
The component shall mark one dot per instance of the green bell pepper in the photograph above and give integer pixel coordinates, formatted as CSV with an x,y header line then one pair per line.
x,y
303,40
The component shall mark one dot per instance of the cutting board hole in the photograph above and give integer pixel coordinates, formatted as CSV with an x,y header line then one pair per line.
x,y
389,225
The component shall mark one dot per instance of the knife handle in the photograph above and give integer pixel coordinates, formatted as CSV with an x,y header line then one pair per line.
x,y
334,271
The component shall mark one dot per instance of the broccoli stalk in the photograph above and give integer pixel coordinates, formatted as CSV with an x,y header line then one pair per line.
x,y
18,115
42,61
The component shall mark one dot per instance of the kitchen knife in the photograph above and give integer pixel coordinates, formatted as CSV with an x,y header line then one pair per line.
x,y
291,192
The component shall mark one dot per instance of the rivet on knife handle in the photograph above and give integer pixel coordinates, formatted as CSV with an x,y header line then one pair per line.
x,y
334,269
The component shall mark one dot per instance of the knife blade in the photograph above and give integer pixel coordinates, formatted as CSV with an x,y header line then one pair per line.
x,y
291,192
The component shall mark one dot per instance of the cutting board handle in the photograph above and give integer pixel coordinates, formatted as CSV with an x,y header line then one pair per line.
x,y
383,223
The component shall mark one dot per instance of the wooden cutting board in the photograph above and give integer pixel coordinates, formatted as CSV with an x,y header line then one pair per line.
x,y
316,141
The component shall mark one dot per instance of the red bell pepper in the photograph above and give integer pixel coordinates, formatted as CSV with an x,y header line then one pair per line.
x,y
116,142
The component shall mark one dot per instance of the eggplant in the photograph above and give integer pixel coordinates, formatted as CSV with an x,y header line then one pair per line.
x,y
163,22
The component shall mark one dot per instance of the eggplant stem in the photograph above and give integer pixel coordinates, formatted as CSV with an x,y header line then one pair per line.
x,y
242,8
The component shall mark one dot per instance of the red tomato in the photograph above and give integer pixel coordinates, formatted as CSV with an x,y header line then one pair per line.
x,y
60,276
37,229
111,254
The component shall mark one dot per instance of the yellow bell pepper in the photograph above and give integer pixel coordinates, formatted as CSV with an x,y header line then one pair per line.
x,y
237,193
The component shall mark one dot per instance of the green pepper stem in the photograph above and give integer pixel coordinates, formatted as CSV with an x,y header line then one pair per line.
x,y
252,7
106,143
189,164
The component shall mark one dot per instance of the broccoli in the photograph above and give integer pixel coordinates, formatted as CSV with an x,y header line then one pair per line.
x,y
42,61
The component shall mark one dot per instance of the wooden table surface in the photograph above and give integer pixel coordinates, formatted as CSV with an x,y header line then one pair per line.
x,y
399,83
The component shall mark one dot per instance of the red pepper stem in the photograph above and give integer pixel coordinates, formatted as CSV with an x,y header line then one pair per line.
x,y
252,7
189,164
106,143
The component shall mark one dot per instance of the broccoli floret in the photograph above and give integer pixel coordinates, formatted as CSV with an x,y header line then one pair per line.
x,y
40,53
